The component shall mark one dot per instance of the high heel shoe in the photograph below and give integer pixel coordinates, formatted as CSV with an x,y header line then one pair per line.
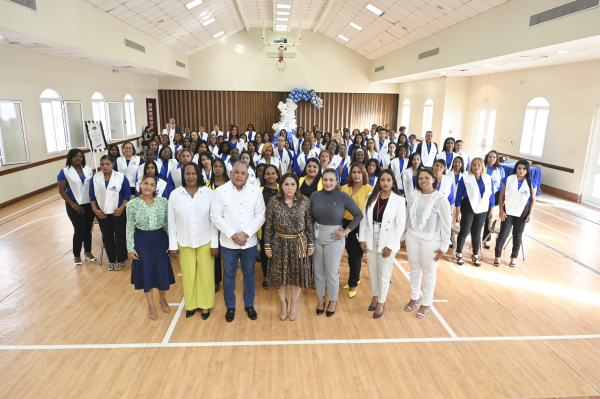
x,y
283,315
372,308
475,261
328,313
321,311
165,309
77,264
91,259
205,315
378,315
152,316
293,315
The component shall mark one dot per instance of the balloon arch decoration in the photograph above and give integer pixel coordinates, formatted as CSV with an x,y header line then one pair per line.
x,y
287,118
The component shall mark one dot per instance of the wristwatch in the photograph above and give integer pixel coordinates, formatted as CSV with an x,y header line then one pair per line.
x,y
246,234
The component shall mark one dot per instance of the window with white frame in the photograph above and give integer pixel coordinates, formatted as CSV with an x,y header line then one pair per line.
x,y
13,139
406,114
99,110
130,115
535,124
54,121
427,116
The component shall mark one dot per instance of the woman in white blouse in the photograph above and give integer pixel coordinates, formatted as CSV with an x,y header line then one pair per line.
x,y
427,238
194,240
267,157
128,164
381,227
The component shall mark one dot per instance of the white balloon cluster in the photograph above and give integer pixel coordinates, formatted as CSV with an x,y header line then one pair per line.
x,y
287,118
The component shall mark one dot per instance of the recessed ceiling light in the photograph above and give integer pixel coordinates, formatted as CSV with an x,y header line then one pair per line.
x,y
283,13
193,4
283,19
281,28
374,9
218,34
352,24
210,21
563,52
442,73
288,6
487,65
343,38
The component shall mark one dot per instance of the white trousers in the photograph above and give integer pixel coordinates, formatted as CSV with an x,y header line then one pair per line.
x,y
421,259
380,270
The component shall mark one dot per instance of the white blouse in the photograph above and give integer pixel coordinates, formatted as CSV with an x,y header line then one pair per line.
x,y
189,219
429,217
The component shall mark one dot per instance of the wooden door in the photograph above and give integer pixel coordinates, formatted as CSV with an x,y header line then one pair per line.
x,y
152,114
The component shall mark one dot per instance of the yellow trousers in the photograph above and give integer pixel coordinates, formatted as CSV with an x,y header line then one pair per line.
x,y
198,276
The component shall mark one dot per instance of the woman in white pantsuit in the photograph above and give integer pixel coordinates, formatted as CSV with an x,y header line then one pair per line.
x,y
427,238
381,227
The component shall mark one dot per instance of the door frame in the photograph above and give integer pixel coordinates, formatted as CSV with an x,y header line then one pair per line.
x,y
471,151
156,114
594,145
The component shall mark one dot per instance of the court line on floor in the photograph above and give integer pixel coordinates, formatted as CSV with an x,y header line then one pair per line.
x,y
562,232
12,214
565,211
174,322
301,342
433,309
33,221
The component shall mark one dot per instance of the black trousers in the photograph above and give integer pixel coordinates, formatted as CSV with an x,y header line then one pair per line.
x,y
113,237
486,226
218,268
264,261
82,226
518,226
470,222
355,254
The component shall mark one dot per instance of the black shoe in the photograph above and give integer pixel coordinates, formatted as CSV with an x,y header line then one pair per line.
x,y
486,245
378,315
230,315
251,312
216,288
320,312
451,246
372,308
258,259
265,285
328,313
189,313
205,315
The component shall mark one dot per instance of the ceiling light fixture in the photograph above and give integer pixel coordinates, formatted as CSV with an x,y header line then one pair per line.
x,y
352,24
193,4
218,34
281,28
413,78
487,65
343,38
283,13
210,21
283,19
374,9
563,52
287,6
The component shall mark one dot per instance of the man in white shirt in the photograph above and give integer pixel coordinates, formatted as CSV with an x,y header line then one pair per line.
x,y
175,126
381,143
238,211
428,150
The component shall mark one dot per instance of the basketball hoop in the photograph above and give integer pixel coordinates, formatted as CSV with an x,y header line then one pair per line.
x,y
280,65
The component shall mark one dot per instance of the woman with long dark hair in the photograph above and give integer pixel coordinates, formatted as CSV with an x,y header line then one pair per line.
x,y
151,169
250,131
175,176
409,176
357,143
358,188
224,150
246,157
373,170
114,153
234,139
398,164
269,189
218,177
74,187
381,228
447,154
496,171
310,179
517,200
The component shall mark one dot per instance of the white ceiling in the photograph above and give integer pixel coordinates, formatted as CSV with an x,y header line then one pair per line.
x,y
403,21
587,49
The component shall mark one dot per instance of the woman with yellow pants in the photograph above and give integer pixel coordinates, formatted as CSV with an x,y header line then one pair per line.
x,y
192,242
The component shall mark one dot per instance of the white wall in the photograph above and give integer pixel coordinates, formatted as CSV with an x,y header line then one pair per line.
x,y
239,63
456,106
417,93
26,74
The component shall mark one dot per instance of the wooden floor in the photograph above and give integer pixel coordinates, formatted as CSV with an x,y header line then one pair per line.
x,y
526,332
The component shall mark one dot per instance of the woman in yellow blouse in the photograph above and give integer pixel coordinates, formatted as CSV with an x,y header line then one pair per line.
x,y
358,188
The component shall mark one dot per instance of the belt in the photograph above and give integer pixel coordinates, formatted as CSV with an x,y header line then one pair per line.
x,y
301,245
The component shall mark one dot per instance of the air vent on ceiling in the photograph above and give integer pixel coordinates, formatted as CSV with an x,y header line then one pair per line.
x,y
30,4
429,53
30,45
380,68
180,64
285,55
135,46
562,11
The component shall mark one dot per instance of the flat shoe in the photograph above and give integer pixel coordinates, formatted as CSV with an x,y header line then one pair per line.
x,y
346,287
189,313
205,315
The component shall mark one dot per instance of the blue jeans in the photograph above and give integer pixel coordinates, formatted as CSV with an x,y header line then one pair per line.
x,y
230,264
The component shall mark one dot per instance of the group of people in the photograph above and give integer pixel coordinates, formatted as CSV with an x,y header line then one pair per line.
x,y
303,202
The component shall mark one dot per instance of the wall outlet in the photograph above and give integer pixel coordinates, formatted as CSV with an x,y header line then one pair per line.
x,y
512,142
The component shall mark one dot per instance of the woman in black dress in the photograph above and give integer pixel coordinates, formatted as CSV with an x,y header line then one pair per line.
x,y
269,189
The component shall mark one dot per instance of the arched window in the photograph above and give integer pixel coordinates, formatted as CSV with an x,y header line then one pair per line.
x,y
130,115
53,121
535,124
427,116
406,114
99,109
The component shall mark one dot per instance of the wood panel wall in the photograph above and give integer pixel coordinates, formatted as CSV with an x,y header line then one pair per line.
x,y
192,108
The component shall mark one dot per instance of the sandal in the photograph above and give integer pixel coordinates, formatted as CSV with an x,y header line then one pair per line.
x,y
497,264
475,261
459,260
422,315
512,264
409,308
